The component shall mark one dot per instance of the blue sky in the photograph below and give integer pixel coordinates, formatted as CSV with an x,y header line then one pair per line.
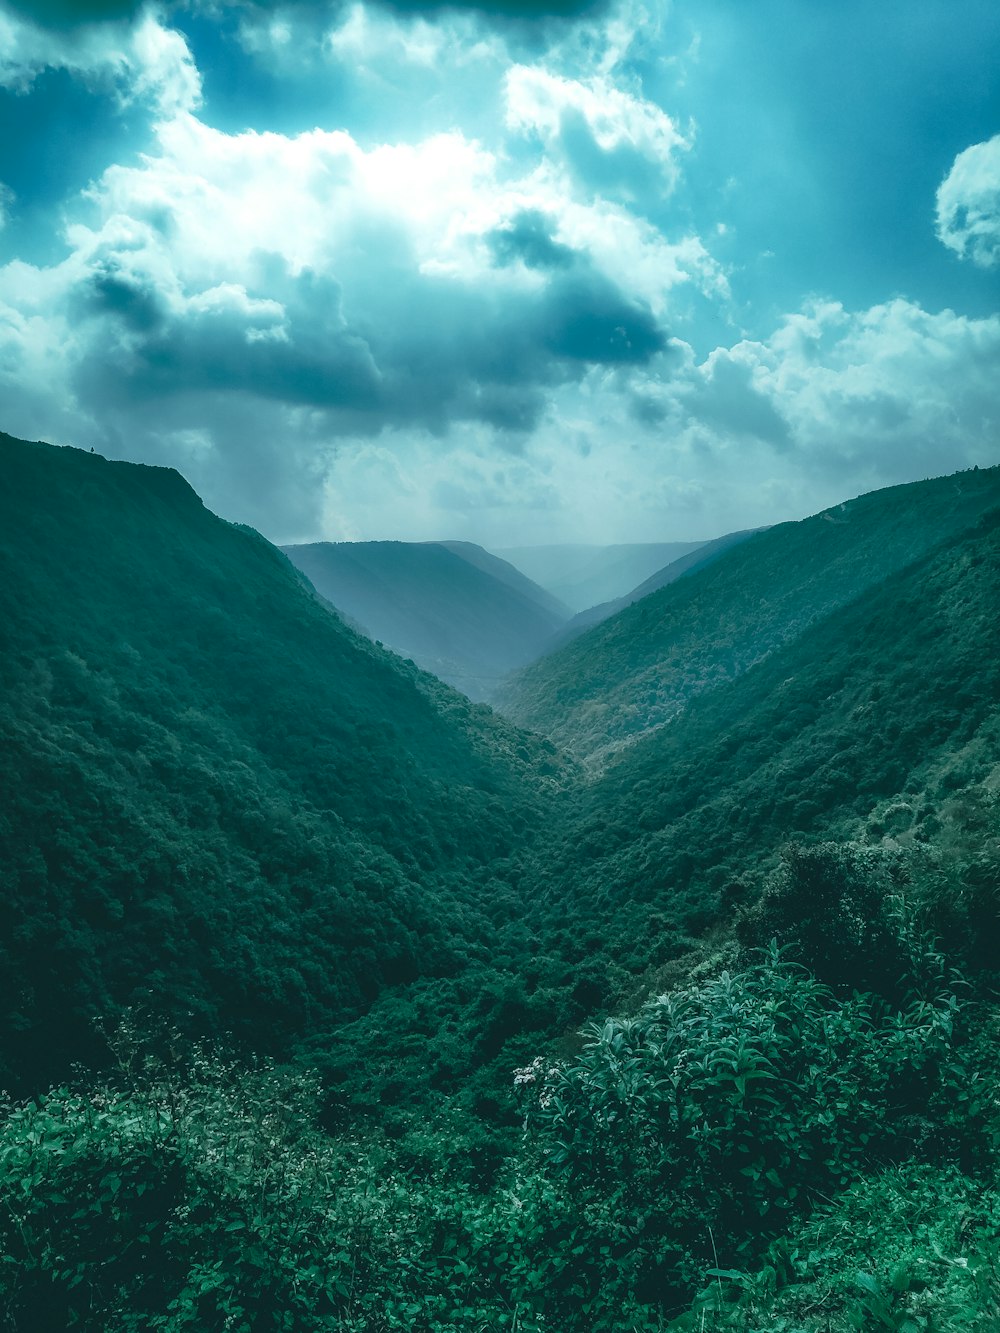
x,y
510,273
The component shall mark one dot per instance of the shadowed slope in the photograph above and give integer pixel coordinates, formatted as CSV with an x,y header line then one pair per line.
x,y
215,798
445,608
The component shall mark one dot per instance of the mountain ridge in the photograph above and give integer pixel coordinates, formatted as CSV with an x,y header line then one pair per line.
x,y
205,766
641,666
462,614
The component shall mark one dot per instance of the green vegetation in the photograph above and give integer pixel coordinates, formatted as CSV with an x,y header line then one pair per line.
x,y
218,803
752,1151
879,720
640,668
683,566
311,959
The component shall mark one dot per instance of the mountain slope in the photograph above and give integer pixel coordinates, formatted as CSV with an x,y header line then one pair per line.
x,y
881,721
446,609
216,800
507,573
700,558
583,576
640,668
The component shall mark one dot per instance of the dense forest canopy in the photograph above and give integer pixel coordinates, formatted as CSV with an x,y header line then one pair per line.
x,y
336,1001
216,796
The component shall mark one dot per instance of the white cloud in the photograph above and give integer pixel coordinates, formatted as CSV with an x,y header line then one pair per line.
x,y
541,102
968,204
140,60
834,403
877,396
326,335
217,205
371,37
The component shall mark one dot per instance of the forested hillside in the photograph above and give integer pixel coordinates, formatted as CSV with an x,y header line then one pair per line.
x,y
336,1002
458,612
640,668
880,719
217,801
677,569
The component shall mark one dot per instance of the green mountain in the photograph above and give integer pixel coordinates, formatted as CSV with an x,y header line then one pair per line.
x,y
582,576
880,722
507,573
639,669
457,611
217,802
697,559
338,928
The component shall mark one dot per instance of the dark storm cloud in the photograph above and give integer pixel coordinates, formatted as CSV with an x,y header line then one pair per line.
x,y
427,353
587,319
300,354
74,13
583,316
139,307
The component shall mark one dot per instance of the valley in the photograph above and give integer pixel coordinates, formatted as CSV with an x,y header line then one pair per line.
x,y
647,981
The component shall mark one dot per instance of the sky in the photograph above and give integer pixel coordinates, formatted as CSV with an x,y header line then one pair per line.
x,y
502,271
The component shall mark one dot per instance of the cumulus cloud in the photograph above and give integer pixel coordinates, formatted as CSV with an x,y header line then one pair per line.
x,y
833,403
531,12
610,139
73,14
370,36
364,289
968,204
478,332
137,61
878,394
505,9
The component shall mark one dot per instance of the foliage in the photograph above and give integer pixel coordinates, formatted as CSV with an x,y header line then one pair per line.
x,y
707,1135
639,669
218,802
878,723
913,1249
723,1110
222,812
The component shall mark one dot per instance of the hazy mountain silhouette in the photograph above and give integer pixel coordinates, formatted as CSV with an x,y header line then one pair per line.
x,y
453,608
582,576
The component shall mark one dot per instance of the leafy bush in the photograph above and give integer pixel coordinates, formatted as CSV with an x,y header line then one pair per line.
x,y
718,1114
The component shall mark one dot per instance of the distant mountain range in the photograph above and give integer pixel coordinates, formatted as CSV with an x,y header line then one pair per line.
x,y
699,558
582,576
639,668
471,617
457,611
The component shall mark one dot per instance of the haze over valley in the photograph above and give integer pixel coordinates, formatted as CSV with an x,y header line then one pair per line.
x,y
499,666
